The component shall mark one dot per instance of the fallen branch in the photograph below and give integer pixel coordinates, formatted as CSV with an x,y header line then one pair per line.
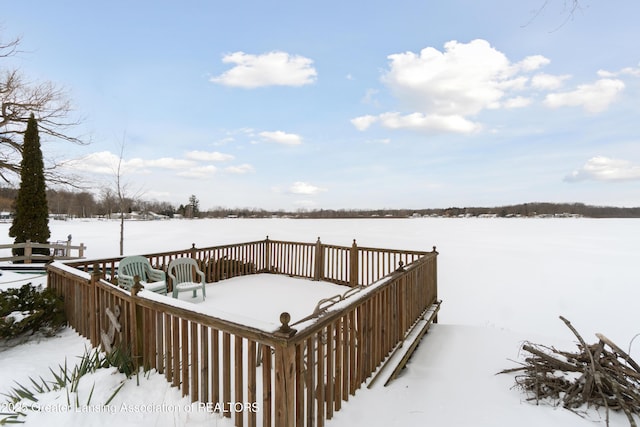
x,y
598,375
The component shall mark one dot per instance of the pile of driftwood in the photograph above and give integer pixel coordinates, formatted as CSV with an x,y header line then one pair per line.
x,y
599,375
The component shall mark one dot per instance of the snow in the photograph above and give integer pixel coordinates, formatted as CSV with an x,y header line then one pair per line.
x,y
503,281
10,279
241,299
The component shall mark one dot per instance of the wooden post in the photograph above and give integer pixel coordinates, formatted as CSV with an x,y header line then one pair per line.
x,y
285,375
27,252
285,385
266,386
96,274
226,372
320,380
319,267
251,382
267,254
353,265
435,279
81,250
238,378
136,323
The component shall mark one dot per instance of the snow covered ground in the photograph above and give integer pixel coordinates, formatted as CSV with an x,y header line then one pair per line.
x,y
502,281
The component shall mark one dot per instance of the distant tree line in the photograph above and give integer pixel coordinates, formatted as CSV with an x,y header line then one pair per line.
x,y
84,204
544,209
520,210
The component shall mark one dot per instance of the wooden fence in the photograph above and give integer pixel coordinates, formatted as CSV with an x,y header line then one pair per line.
x,y
57,251
296,375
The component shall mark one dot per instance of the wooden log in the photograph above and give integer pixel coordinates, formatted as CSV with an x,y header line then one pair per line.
x,y
552,361
620,352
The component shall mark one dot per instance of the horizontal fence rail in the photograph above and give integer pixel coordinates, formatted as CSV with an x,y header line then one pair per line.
x,y
54,251
296,375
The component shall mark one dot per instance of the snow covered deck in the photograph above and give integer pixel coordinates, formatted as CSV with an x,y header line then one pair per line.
x,y
236,346
259,299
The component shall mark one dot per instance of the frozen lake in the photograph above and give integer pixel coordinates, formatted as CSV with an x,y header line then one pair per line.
x,y
514,274
502,281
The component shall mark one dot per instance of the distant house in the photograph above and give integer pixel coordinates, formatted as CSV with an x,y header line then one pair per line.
x,y
59,217
145,216
153,215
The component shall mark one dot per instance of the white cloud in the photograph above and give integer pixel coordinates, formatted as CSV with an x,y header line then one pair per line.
x,y
106,163
544,81
443,89
198,172
103,162
418,121
240,169
533,62
607,74
594,98
305,188
601,168
462,80
433,122
281,137
269,69
364,122
208,156
629,71
163,163
517,102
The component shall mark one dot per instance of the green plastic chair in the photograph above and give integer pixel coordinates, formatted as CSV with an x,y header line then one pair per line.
x,y
186,276
150,278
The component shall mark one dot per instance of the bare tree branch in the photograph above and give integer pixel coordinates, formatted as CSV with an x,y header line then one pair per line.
x,y
18,99
570,7
9,48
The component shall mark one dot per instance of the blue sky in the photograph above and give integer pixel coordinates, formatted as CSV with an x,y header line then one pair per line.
x,y
309,105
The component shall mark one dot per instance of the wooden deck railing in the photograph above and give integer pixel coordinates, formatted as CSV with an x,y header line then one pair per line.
x,y
295,375
57,251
